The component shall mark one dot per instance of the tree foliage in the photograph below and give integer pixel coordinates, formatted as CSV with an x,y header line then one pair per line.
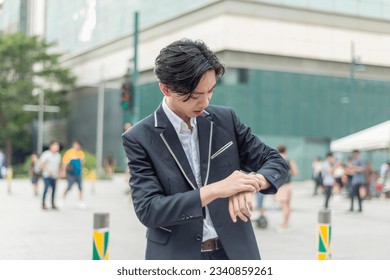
x,y
26,63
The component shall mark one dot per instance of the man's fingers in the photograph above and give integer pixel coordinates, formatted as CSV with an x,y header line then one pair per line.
x,y
237,209
250,205
255,182
248,188
231,210
243,205
240,205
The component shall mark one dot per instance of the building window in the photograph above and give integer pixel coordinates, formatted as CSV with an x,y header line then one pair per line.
x,y
243,76
236,76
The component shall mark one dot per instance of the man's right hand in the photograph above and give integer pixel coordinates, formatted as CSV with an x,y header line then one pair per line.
x,y
236,182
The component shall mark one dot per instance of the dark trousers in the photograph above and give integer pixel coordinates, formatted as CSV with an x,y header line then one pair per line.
x,y
355,192
349,185
49,182
214,255
317,183
328,194
74,179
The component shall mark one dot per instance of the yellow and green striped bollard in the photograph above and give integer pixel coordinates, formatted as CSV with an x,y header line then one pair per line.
x,y
324,232
100,236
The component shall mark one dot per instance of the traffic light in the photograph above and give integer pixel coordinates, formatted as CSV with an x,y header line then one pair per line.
x,y
126,95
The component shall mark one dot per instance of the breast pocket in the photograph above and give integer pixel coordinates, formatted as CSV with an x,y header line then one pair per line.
x,y
221,150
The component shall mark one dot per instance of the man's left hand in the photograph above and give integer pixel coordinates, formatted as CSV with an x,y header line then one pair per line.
x,y
242,203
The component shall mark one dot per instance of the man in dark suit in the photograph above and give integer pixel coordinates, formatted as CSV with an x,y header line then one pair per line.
x,y
194,167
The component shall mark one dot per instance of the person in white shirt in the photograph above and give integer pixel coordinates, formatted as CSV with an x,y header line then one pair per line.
x,y
50,162
195,167
328,177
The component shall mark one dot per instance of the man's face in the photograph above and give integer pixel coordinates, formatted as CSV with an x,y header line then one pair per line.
x,y
55,147
199,100
76,146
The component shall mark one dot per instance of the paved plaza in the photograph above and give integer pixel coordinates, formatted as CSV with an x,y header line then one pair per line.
x,y
28,233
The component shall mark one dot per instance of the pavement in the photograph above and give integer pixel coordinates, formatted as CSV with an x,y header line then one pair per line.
x,y
29,233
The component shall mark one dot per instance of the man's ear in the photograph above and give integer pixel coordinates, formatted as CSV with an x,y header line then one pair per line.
x,y
164,89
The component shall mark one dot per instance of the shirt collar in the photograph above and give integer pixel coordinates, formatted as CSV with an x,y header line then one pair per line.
x,y
176,121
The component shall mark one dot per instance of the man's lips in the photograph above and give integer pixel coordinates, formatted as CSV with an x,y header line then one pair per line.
x,y
199,113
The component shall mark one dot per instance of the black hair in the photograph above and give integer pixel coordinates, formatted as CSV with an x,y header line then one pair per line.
x,y
330,154
54,142
281,149
77,141
181,65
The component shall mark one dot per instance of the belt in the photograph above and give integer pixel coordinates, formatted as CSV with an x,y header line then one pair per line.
x,y
211,245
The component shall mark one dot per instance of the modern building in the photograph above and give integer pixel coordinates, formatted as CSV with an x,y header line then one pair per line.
x,y
299,72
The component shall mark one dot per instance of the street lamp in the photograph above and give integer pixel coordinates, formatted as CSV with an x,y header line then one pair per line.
x,y
41,109
355,66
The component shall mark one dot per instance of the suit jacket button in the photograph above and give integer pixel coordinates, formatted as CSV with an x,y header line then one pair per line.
x,y
187,217
198,237
191,216
183,217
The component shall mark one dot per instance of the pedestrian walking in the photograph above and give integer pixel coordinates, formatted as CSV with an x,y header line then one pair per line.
x,y
35,172
185,159
261,221
317,177
284,194
73,162
110,164
358,179
327,171
3,164
50,163
338,174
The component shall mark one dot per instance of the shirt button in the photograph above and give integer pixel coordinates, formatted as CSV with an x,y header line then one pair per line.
x,y
198,237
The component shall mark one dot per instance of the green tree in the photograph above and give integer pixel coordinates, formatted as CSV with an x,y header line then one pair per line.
x,y
26,63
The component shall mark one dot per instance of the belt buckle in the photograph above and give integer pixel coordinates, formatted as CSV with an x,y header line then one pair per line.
x,y
214,245
206,250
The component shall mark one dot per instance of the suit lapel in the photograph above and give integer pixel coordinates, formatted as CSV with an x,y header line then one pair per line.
x,y
205,133
173,144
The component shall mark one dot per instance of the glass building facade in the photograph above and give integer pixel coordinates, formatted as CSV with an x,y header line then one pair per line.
x,y
13,15
303,111
379,9
80,25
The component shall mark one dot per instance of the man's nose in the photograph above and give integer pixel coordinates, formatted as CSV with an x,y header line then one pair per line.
x,y
204,101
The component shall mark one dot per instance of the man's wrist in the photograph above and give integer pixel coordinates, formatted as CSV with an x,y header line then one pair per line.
x,y
208,194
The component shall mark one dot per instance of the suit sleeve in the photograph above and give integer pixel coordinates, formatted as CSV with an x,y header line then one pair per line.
x,y
255,156
153,207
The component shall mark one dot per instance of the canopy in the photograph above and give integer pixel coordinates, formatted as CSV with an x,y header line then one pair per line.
x,y
373,138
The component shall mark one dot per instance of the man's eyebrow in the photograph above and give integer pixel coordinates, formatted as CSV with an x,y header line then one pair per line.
x,y
209,90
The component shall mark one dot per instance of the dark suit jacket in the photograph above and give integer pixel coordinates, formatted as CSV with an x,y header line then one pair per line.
x,y
164,191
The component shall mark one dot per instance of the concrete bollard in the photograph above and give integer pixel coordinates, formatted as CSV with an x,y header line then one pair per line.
x,y
324,232
101,223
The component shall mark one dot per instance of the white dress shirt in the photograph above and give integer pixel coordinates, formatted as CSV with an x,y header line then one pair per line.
x,y
190,142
